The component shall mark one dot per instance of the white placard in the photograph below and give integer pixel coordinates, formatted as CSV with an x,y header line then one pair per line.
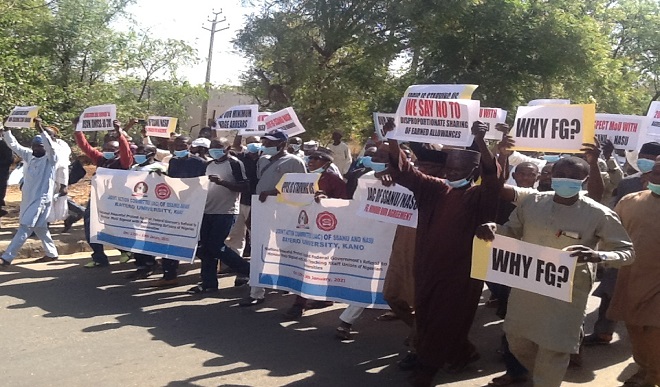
x,y
285,120
395,204
97,118
623,130
22,117
492,117
239,118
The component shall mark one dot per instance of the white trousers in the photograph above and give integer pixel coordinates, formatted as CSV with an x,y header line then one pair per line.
x,y
22,235
351,314
236,238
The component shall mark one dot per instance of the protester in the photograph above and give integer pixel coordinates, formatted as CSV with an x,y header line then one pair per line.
x,y
39,180
341,152
200,148
295,147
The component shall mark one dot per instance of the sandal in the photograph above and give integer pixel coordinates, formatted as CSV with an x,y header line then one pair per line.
x,y
4,264
199,289
507,380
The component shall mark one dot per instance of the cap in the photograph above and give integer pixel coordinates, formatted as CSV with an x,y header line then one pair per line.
x,y
277,135
203,142
37,140
650,148
310,145
326,156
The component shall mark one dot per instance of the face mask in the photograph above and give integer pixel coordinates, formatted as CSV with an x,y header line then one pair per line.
x,y
655,188
181,153
216,153
270,150
140,159
109,155
377,167
295,147
319,170
645,165
566,188
254,147
551,158
458,183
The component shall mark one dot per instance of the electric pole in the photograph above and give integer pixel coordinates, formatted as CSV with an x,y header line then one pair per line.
x,y
207,83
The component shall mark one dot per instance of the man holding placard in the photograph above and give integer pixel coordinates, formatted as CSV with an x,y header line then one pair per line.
x,y
544,331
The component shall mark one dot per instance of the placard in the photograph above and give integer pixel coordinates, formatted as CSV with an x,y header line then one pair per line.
x,y
395,204
239,118
380,119
160,126
492,117
653,125
285,120
261,126
623,130
446,91
539,102
22,117
554,128
298,189
97,118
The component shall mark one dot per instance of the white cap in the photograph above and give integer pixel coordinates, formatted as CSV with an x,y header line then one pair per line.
x,y
204,142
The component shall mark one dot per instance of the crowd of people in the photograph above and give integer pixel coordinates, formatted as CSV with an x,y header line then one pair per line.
x,y
601,210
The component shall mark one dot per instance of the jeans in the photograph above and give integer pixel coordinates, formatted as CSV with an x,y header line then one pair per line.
x,y
215,229
98,255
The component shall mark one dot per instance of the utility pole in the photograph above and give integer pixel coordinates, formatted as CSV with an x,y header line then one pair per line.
x,y
207,83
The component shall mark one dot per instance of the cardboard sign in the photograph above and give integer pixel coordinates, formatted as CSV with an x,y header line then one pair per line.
x,y
239,118
440,91
321,251
298,189
285,120
97,118
435,121
653,126
380,119
160,126
395,204
492,117
539,102
261,126
624,131
522,265
22,117
554,128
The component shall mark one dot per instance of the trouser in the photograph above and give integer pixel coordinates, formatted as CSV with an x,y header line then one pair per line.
x,y
513,366
351,314
144,261
4,175
22,234
98,255
236,239
170,268
547,366
214,231
603,325
77,211
257,292
646,350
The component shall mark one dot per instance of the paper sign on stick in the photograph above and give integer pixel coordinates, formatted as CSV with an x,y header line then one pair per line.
x,y
492,117
160,126
521,265
380,119
22,117
298,189
97,118
622,130
554,128
238,118
395,204
539,102
261,126
285,120
440,91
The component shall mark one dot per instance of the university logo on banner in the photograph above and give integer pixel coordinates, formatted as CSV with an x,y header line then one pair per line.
x,y
321,251
239,118
160,126
285,120
492,117
521,265
395,204
623,130
554,128
97,118
298,189
22,117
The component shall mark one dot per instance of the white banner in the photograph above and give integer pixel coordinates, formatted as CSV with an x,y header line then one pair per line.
x,y
539,102
97,118
492,117
298,189
285,120
146,213
440,91
624,131
22,117
395,204
261,126
522,265
380,119
239,118
160,126
653,125
321,251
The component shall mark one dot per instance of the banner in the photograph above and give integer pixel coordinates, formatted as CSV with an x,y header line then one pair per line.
x,y
624,131
22,117
395,204
436,121
554,128
97,118
261,126
539,102
380,119
298,189
239,118
521,265
653,125
321,251
286,120
492,117
440,91
146,213
160,126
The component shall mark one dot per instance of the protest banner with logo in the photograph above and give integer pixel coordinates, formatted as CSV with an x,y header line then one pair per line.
x,y
653,125
440,91
285,120
22,117
395,204
298,189
321,251
521,265
623,130
146,213
554,128
539,102
97,118
261,126
492,117
239,118
380,119
160,126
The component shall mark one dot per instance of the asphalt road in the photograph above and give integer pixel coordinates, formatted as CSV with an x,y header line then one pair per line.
x,y
63,325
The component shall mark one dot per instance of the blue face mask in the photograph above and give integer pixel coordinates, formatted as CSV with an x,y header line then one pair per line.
x,y
566,188
655,188
217,153
320,170
254,147
269,150
458,183
377,167
551,158
181,154
645,165
109,155
140,159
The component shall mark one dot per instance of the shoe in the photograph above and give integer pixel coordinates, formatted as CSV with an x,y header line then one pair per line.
x,y
343,333
4,264
199,289
249,301
507,380
124,257
165,283
458,367
638,379
224,269
408,363
140,273
68,222
295,312
93,264
597,339
241,280
45,259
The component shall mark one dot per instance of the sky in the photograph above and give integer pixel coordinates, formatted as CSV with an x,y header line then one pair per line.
x,y
184,19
